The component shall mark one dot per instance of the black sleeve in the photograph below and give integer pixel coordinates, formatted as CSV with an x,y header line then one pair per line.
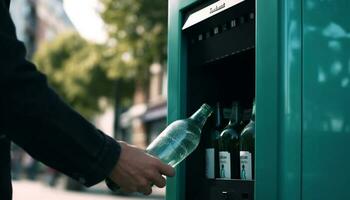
x,y
34,117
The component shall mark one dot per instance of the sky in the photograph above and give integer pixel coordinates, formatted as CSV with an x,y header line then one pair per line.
x,y
84,16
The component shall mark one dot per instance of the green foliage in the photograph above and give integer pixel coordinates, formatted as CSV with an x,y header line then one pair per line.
x,y
138,31
84,73
75,69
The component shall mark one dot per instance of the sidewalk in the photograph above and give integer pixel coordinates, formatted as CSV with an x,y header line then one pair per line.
x,y
29,190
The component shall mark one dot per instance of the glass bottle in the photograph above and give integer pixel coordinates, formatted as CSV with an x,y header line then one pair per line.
x,y
211,148
177,141
247,149
229,146
180,138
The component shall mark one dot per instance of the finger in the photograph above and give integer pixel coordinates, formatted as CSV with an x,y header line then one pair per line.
x,y
128,190
145,190
158,180
167,170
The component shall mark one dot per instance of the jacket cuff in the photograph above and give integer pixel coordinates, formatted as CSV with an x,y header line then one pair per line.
x,y
107,159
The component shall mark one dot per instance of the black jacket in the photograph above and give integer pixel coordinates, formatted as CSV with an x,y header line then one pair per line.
x,y
35,118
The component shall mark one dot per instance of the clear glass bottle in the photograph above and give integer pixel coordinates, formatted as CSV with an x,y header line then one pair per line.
x,y
177,141
180,138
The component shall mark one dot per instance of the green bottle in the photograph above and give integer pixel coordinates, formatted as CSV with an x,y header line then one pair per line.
x,y
211,147
247,149
178,140
229,146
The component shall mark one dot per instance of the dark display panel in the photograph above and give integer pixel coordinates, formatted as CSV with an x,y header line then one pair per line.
x,y
220,68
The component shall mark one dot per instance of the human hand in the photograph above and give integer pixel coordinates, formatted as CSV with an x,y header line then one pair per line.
x,y
137,171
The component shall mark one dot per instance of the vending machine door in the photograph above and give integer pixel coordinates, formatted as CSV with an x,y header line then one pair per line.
x,y
326,97
302,82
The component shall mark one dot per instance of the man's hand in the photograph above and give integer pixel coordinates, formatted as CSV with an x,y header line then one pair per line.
x,y
137,171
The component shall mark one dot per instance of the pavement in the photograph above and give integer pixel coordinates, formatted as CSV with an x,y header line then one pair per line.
x,y
36,190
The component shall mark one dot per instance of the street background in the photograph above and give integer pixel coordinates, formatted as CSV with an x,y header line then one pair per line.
x,y
105,58
35,190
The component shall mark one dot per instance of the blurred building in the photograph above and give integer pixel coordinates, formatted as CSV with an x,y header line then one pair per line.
x,y
146,118
39,20
51,19
23,13
155,116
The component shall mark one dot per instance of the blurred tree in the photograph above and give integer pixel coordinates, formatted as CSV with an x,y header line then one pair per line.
x,y
75,68
137,38
84,73
138,33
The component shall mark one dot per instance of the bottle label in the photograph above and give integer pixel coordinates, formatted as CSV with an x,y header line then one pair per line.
x,y
225,164
210,163
246,165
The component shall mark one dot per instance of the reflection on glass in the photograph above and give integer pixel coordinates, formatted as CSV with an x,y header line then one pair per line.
x,y
334,45
337,124
321,75
345,82
335,31
336,67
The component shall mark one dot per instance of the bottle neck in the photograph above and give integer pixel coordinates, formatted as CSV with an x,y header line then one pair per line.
x,y
233,120
234,114
253,113
247,115
218,116
201,116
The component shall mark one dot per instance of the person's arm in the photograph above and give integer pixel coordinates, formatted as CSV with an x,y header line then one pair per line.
x,y
34,117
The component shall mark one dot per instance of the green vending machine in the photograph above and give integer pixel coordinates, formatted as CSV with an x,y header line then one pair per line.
x,y
291,57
